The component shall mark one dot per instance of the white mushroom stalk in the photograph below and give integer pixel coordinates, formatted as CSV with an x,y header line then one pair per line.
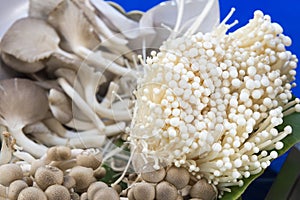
x,y
211,102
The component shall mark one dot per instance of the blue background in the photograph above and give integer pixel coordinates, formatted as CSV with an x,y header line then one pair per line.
x,y
284,12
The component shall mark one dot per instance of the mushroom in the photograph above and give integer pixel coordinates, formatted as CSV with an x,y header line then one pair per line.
x,y
41,9
84,196
203,190
94,188
60,106
107,193
15,188
55,192
32,193
69,20
46,176
83,176
89,159
9,173
21,66
152,175
29,51
178,176
22,103
165,191
143,191
69,182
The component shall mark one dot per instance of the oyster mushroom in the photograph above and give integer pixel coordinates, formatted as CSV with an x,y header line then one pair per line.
x,y
60,106
21,31
22,103
41,9
69,20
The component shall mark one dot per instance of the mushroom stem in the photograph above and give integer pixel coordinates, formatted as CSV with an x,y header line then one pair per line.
x,y
28,145
103,63
81,103
80,142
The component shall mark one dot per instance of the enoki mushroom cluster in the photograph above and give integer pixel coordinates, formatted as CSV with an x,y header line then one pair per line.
x,y
211,102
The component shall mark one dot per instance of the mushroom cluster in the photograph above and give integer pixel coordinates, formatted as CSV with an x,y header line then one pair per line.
x,y
211,102
73,76
62,173
168,183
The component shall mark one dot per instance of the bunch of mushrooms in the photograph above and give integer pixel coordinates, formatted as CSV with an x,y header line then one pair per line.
x,y
212,102
199,114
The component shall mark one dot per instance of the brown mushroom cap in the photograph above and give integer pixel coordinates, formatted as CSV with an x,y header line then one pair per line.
x,y
15,188
203,190
107,193
166,191
32,193
58,153
179,177
48,175
143,191
9,173
151,175
100,172
83,176
84,196
95,187
89,160
69,182
55,192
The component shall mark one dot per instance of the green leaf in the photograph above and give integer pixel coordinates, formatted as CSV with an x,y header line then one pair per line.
x,y
294,121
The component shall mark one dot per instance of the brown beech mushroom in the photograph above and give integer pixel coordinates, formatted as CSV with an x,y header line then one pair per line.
x,y
32,193
165,191
69,182
107,193
83,176
9,173
84,196
46,176
15,188
179,177
143,191
21,103
94,188
55,192
59,153
89,159
203,190
149,174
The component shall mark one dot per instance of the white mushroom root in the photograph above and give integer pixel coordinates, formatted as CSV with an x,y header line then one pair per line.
x,y
211,102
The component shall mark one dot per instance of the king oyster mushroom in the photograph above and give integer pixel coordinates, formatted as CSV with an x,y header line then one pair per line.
x,y
21,103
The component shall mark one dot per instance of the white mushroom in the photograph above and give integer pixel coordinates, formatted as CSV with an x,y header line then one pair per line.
x,y
32,193
9,173
22,103
72,24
